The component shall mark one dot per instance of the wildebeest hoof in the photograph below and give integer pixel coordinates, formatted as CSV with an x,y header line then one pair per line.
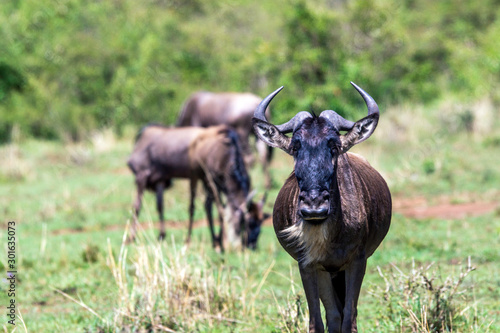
x,y
162,236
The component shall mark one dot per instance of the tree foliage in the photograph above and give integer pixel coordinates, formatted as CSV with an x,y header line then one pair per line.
x,y
68,67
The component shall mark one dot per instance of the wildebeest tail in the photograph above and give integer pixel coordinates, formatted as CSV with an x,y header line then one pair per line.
x,y
186,112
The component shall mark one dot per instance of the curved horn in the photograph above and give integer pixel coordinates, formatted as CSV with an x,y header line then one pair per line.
x,y
290,125
337,120
250,196
260,111
370,102
244,206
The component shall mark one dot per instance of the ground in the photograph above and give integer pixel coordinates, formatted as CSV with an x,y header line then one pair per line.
x,y
72,204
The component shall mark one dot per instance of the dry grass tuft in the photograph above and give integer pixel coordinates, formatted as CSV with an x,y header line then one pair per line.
x,y
422,301
165,287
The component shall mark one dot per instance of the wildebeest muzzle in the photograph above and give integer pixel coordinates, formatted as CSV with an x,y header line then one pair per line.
x,y
314,205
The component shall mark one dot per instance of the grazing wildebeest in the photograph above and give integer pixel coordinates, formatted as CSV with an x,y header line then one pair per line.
x,y
233,109
210,154
333,211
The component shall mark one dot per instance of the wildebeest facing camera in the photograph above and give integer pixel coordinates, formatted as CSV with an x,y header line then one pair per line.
x,y
333,211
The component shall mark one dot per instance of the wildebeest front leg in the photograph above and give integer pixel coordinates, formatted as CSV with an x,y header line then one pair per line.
x,y
192,187
331,302
140,181
160,187
222,232
309,278
354,278
208,211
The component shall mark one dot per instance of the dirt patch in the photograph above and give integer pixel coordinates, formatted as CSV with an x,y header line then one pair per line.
x,y
420,208
417,207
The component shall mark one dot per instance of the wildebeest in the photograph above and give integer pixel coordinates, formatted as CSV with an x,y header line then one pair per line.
x,y
333,211
233,109
210,154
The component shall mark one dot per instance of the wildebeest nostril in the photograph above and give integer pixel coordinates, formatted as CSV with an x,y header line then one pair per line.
x,y
314,198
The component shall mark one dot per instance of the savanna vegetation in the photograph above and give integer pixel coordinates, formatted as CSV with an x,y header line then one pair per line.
x,y
72,204
69,67
77,80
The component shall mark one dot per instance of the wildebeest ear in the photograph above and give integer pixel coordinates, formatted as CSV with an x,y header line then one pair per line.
x,y
361,131
271,135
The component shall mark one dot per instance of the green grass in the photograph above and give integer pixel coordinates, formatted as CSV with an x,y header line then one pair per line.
x,y
70,200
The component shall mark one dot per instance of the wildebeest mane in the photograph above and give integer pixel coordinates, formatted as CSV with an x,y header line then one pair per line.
x,y
238,170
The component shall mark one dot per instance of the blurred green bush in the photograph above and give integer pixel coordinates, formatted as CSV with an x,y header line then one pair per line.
x,y
69,67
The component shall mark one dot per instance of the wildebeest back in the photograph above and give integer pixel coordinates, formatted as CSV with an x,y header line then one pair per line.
x,y
163,151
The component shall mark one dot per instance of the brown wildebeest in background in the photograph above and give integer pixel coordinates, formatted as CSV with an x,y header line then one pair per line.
x,y
210,154
206,109
333,211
